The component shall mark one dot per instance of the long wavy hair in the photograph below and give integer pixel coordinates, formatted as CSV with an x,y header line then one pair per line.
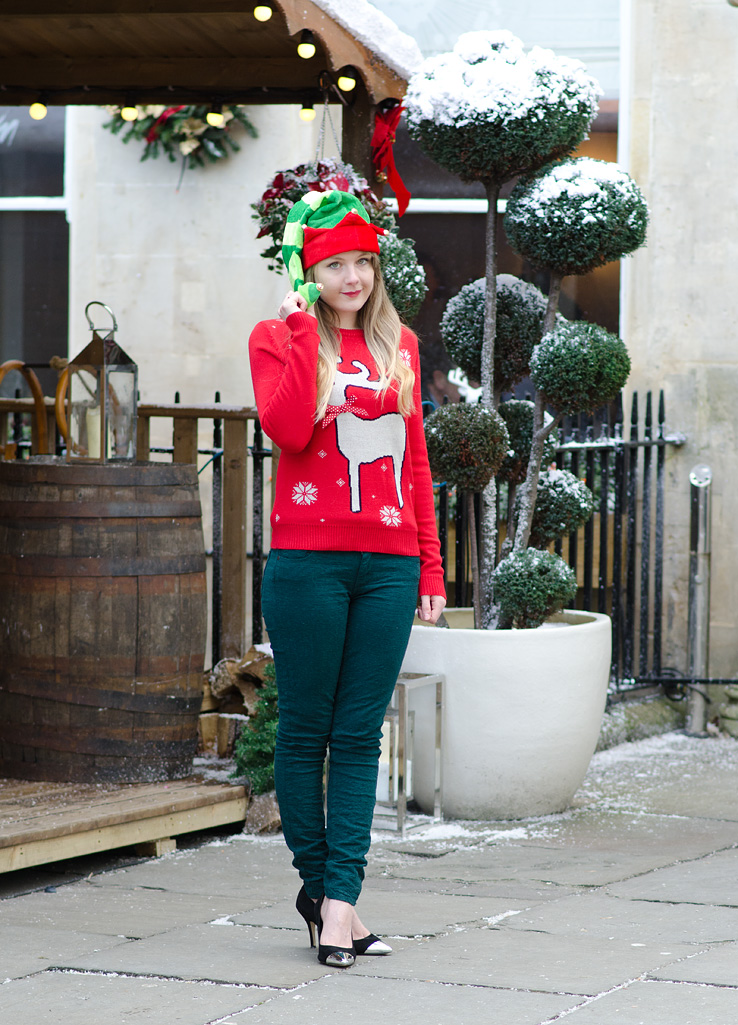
x,y
379,321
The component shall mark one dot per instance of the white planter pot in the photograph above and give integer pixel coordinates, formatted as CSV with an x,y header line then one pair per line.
x,y
522,714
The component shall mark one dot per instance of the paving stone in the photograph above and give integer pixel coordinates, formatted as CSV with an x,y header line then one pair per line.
x,y
52,998
595,914
660,1003
411,915
216,953
717,967
710,880
105,909
347,998
26,949
242,867
525,960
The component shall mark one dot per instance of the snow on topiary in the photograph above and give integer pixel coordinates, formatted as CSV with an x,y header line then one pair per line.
x,y
529,586
576,215
466,445
579,366
521,308
564,504
404,277
489,111
518,417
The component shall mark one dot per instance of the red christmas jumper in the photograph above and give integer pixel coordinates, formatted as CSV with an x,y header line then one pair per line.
x,y
358,480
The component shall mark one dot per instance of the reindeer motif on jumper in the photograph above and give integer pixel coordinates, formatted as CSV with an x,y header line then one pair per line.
x,y
362,441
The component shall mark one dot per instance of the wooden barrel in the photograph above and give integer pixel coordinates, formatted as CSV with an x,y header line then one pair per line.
x,y
103,615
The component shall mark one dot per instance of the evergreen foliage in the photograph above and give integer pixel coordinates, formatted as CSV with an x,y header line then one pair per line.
x,y
254,747
564,503
531,585
579,366
576,215
518,417
466,445
488,110
403,275
520,311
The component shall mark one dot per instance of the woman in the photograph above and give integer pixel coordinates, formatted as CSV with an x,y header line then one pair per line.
x,y
354,546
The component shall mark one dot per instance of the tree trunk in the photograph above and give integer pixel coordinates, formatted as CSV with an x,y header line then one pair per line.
x,y
529,490
489,495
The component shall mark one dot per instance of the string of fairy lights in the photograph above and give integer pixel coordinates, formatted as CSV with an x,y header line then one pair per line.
x,y
343,83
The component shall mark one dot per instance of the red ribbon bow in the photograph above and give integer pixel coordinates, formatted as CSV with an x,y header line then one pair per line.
x,y
332,411
153,132
383,158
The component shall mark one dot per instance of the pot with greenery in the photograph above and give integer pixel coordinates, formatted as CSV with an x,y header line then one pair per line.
x,y
523,706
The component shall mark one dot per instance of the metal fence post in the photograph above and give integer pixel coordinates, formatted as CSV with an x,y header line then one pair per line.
x,y
700,479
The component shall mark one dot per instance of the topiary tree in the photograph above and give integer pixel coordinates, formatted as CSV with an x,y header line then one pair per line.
x,y
253,751
489,111
531,585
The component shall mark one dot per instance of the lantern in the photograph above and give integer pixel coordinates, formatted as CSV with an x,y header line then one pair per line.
x,y
102,398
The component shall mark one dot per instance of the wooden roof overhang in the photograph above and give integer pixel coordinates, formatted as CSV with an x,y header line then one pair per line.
x,y
184,51
95,51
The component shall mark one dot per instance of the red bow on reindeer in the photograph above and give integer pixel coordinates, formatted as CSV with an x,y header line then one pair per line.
x,y
383,158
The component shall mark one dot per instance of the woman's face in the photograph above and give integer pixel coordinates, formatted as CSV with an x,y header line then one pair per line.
x,y
347,280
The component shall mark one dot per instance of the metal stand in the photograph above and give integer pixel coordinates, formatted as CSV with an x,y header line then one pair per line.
x,y
700,548
401,719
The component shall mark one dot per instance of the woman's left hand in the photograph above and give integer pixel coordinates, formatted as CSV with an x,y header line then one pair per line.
x,y
431,606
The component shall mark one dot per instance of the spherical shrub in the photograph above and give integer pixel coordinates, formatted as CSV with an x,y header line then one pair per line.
x,y
579,366
576,215
564,503
488,110
521,308
531,585
518,417
466,444
404,277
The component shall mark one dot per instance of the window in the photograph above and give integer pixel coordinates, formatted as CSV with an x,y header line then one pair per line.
x,y
34,242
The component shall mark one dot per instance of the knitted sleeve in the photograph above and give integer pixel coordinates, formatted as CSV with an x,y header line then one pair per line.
x,y
431,566
284,361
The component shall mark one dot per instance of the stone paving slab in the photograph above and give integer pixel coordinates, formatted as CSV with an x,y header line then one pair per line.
x,y
347,999
709,880
243,867
61,998
414,915
660,1003
669,774
28,949
525,960
528,893
103,909
216,953
595,914
717,967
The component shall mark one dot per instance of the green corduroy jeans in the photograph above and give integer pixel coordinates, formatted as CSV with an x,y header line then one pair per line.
x,y
339,624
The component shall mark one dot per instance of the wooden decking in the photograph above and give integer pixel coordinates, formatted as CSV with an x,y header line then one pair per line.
x,y
41,822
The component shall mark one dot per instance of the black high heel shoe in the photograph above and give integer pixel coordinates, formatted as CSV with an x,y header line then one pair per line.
x,y
307,908
334,957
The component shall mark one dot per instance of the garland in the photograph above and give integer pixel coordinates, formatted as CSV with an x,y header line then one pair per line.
x,y
181,132
289,186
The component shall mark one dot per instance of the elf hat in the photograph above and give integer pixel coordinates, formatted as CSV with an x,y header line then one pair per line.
x,y
320,225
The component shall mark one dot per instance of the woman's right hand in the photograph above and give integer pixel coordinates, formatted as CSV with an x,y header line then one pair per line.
x,y
293,303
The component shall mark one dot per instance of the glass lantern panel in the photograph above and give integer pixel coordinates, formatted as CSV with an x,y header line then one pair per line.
x,y
85,413
121,436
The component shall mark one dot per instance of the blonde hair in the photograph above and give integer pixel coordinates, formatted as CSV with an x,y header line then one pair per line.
x,y
379,321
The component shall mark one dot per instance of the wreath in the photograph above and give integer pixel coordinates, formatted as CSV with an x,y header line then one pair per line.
x,y
403,276
182,132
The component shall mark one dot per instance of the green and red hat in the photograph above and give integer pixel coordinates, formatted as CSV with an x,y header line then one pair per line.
x,y
320,225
